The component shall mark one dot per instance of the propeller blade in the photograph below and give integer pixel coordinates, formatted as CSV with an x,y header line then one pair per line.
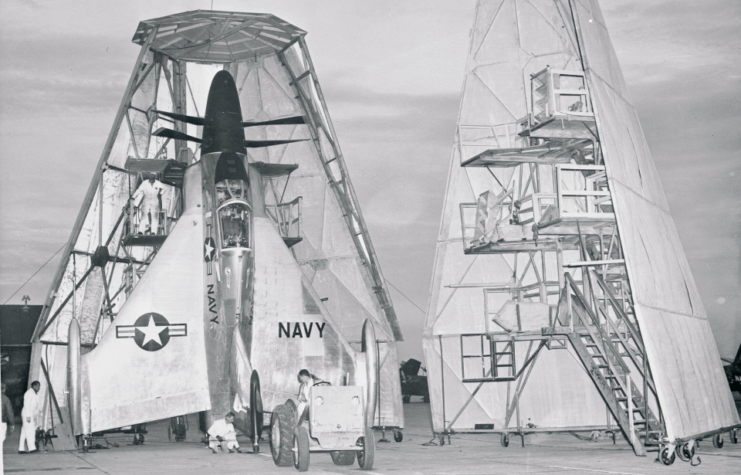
x,y
286,121
268,143
185,118
174,134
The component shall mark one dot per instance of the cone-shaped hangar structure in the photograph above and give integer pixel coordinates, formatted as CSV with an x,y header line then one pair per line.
x,y
561,297
314,209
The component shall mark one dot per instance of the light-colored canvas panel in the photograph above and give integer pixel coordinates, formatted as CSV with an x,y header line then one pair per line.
x,y
275,101
480,105
572,398
500,43
485,14
687,372
596,47
504,81
540,34
672,320
336,240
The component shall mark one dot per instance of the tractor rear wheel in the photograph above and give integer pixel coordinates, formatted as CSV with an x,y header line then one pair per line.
x,y
301,448
281,435
365,456
343,457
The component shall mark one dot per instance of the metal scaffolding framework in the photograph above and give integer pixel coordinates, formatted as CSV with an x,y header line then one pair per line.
x,y
561,298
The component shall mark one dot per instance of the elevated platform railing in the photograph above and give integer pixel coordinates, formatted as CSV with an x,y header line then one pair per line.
x,y
287,217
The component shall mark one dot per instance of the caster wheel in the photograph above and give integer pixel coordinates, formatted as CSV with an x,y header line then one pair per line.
x,y
685,452
442,440
505,440
718,441
667,456
398,435
255,448
733,435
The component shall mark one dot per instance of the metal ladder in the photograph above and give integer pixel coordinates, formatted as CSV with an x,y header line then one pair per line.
x,y
597,345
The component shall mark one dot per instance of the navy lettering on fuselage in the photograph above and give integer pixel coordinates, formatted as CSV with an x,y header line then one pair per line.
x,y
212,303
300,329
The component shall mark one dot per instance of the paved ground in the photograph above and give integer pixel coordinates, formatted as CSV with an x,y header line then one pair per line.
x,y
467,454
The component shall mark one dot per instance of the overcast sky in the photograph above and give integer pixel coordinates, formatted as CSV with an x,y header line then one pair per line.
x,y
391,72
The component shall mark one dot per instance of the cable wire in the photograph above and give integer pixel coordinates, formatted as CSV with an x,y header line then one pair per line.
x,y
34,274
402,294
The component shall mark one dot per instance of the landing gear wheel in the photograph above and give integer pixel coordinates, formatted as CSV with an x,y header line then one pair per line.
x,y
685,452
718,441
138,439
256,415
301,449
442,440
365,456
406,398
281,435
667,456
504,440
733,435
398,435
426,398
343,457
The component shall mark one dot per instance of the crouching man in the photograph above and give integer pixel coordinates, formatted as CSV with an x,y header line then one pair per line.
x,y
222,432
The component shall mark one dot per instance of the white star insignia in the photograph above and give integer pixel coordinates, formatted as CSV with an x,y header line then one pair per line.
x,y
151,332
209,249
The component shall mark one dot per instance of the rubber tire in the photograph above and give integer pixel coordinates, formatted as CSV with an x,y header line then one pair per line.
x,y
301,444
398,435
666,456
281,428
504,440
366,456
733,435
343,457
683,452
718,441
406,398
256,412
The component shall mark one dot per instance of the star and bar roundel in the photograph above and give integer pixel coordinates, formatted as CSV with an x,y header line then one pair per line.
x,y
151,331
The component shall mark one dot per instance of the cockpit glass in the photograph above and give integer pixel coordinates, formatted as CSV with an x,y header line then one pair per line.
x,y
231,188
235,225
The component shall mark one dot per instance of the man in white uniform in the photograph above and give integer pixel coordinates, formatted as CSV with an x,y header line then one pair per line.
x,y
148,194
222,431
29,414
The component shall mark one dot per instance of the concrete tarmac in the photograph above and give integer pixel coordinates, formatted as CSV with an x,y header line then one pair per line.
x,y
467,454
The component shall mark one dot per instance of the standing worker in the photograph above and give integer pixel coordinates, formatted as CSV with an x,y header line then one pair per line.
x,y
28,414
8,415
222,431
149,193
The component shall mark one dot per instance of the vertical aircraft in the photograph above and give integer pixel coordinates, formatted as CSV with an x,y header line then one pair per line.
x,y
261,263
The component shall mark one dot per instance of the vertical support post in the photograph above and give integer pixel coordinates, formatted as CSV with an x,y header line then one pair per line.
x,y
629,395
543,286
180,106
442,376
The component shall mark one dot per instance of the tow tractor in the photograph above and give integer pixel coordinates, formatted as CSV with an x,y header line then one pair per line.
x,y
337,419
